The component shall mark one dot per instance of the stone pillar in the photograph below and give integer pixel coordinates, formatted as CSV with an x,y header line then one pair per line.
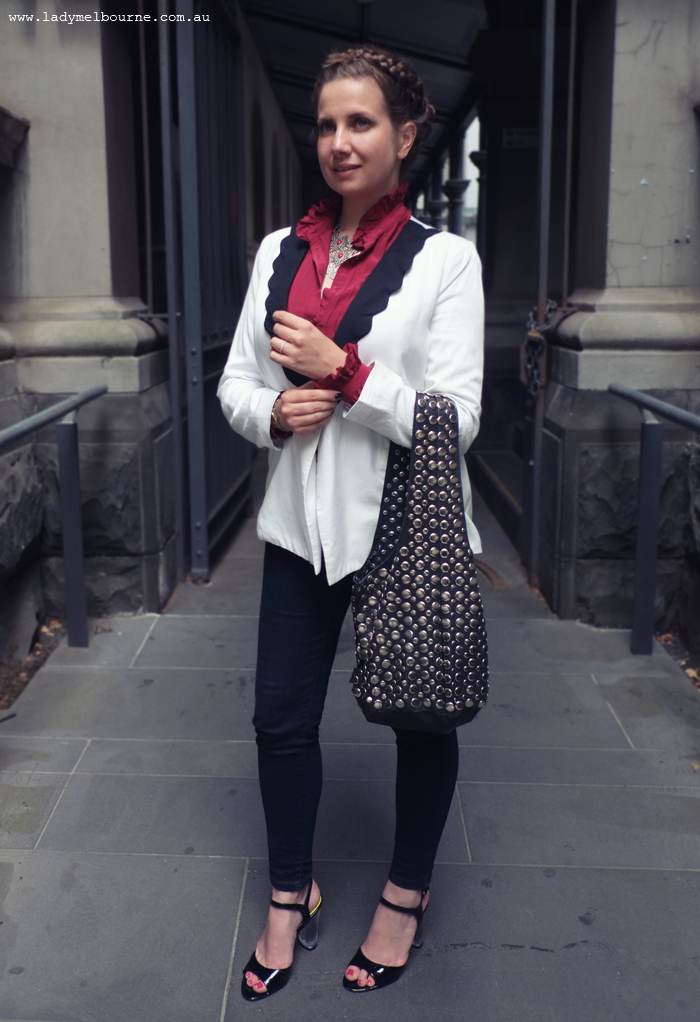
x,y
637,276
455,186
436,205
70,303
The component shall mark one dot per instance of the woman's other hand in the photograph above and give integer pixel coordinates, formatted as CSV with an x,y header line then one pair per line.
x,y
305,409
304,348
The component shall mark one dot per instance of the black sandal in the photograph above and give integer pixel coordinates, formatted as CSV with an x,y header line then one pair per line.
x,y
383,975
307,935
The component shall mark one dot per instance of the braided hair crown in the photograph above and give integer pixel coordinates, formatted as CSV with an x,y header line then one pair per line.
x,y
400,84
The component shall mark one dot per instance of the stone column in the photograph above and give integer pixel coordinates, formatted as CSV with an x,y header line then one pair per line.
x,y
436,205
69,296
455,186
637,276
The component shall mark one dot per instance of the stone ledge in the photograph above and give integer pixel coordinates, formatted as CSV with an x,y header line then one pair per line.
x,y
633,318
17,310
641,370
630,299
70,375
79,326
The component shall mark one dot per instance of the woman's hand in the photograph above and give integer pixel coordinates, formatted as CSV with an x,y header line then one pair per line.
x,y
304,348
305,409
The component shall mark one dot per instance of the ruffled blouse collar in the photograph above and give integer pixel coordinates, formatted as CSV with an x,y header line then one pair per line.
x,y
382,216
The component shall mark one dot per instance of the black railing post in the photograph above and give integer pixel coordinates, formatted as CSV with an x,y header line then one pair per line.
x,y
72,530
647,534
69,487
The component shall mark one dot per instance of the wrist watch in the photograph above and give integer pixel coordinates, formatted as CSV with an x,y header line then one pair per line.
x,y
274,417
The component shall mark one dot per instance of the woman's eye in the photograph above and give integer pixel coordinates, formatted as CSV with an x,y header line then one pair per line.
x,y
362,122
325,128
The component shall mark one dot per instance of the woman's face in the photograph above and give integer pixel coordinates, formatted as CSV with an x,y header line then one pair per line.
x,y
359,150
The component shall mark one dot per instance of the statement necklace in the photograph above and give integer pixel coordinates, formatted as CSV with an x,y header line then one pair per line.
x,y
340,250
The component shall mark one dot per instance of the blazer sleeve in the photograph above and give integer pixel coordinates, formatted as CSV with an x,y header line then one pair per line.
x,y
245,398
454,365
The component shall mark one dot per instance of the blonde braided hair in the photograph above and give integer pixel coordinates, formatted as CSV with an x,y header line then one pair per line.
x,y
399,81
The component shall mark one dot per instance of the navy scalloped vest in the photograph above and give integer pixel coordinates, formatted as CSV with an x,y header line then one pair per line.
x,y
385,280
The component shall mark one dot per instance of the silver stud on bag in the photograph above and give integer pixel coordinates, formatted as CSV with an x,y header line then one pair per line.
x,y
431,646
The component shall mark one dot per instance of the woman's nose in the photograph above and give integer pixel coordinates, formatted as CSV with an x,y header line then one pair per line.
x,y
340,141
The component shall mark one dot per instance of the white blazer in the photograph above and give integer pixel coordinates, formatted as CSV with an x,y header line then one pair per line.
x,y
419,318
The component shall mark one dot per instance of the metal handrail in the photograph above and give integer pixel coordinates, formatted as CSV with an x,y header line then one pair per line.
x,y
69,484
662,408
49,415
645,558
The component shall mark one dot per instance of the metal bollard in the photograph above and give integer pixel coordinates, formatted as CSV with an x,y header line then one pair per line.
x,y
72,527
647,534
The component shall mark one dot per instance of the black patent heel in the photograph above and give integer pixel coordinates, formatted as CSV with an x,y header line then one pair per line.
x,y
307,935
383,975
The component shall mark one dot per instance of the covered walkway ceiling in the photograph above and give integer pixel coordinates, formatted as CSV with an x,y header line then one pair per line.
x,y
294,37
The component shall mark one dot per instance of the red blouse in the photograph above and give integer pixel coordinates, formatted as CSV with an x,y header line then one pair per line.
x,y
377,230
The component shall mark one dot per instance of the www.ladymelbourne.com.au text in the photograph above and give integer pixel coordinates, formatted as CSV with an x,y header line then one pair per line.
x,y
70,19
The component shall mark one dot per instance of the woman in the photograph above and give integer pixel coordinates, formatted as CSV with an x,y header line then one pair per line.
x,y
356,270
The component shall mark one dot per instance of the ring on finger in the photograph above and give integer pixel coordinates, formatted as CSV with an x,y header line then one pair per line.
x,y
282,346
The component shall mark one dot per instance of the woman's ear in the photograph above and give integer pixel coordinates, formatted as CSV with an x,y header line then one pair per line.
x,y
407,136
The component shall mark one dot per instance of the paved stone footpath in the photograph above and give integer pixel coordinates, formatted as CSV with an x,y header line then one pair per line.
x,y
132,862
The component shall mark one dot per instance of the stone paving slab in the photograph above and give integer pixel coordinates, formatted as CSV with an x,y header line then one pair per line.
x,y
484,765
234,589
40,754
656,711
547,709
552,646
158,815
139,703
114,642
115,938
27,801
574,825
183,641
165,757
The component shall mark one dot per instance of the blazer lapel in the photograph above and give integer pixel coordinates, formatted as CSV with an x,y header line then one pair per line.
x,y
284,270
385,280
373,297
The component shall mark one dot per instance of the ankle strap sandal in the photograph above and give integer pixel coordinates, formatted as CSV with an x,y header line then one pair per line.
x,y
307,935
384,975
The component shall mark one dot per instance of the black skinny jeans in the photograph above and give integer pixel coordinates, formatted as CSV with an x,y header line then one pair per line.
x,y
300,621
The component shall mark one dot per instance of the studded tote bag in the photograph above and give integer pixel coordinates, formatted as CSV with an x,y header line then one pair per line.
x,y
422,659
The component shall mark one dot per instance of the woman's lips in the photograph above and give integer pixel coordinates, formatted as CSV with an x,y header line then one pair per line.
x,y
346,168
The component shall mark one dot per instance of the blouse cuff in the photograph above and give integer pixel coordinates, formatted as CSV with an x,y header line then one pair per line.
x,y
349,379
280,435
